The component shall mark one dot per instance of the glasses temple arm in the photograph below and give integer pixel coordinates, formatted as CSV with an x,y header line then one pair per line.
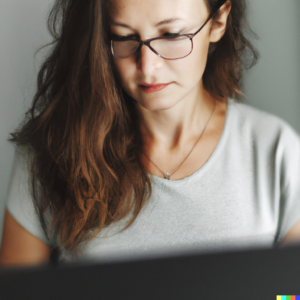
x,y
211,15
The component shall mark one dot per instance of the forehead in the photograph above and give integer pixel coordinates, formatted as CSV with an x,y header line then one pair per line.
x,y
153,11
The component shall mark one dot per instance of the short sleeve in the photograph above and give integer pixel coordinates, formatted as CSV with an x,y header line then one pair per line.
x,y
289,164
19,200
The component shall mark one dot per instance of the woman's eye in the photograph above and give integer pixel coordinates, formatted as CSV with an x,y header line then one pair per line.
x,y
124,37
117,37
171,34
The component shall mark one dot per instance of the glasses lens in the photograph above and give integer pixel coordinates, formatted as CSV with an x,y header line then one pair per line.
x,y
170,48
174,47
122,49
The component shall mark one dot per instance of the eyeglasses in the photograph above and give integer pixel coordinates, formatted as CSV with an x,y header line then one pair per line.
x,y
167,47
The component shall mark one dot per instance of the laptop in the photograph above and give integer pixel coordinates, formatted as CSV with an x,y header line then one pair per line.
x,y
253,274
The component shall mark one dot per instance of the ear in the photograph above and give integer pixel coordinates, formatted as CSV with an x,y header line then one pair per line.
x,y
219,23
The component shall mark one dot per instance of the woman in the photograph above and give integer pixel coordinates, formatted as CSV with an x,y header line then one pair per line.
x,y
137,144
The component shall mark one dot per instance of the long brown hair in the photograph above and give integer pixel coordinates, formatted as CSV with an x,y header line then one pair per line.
x,y
83,129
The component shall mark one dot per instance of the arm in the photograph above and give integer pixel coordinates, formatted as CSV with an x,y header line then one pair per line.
x,y
293,236
19,247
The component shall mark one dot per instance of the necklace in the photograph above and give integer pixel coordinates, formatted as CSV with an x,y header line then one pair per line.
x,y
168,175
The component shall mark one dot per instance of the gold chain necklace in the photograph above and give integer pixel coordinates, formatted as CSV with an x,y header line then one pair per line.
x,y
167,175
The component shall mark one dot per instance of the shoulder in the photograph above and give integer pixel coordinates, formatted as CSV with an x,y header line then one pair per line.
x,y
19,201
18,189
22,153
263,126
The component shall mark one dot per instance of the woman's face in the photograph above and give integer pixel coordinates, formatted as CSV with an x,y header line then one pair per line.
x,y
142,18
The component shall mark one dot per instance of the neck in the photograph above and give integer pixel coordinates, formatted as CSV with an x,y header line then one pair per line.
x,y
171,128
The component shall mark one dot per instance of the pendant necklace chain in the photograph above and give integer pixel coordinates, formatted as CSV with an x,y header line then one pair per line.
x,y
167,175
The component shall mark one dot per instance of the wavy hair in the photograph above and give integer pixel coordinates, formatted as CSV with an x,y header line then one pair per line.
x,y
231,55
83,129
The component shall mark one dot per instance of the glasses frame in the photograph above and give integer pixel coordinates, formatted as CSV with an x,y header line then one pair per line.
x,y
189,35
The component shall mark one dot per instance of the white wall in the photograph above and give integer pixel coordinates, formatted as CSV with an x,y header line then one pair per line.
x,y
273,85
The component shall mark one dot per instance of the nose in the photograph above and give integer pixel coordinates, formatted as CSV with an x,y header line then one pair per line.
x,y
148,61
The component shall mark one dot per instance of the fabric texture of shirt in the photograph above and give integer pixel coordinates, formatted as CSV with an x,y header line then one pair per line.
x,y
246,195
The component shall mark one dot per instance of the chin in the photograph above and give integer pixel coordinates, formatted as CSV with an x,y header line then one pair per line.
x,y
156,104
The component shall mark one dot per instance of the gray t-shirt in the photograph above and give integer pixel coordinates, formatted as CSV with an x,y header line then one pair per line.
x,y
247,195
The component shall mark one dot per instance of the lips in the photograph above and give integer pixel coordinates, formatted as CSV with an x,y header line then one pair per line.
x,y
151,88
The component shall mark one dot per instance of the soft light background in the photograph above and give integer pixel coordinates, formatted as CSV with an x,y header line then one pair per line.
x,y
273,85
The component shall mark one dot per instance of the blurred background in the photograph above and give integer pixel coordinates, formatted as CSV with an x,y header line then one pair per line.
x,y
273,85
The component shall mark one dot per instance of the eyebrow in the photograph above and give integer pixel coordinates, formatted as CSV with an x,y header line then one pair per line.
x,y
166,21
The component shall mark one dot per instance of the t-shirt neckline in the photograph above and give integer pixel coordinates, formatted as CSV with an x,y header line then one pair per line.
x,y
212,158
